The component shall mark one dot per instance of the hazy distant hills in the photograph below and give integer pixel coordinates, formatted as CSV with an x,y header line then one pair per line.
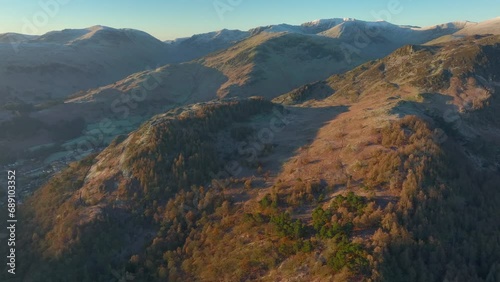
x,y
470,28
60,63
252,63
255,66
13,38
57,64
487,27
186,49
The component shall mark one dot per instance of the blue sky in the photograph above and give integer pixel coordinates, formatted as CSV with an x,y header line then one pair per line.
x,y
168,19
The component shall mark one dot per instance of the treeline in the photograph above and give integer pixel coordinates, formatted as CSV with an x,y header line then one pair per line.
x,y
172,224
180,152
152,211
443,228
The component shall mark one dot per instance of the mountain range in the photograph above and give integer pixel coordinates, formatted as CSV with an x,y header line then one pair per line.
x,y
62,63
335,150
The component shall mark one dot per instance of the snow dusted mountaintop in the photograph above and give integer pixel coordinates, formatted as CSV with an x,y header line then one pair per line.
x,y
15,37
61,37
312,27
333,27
332,22
225,36
59,63
384,32
198,45
221,35
487,27
466,28
97,55
97,35
457,25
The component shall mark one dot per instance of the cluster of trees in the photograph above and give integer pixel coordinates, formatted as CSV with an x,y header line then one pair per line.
x,y
288,227
159,206
430,234
350,255
175,227
175,222
352,202
305,192
269,201
332,226
40,214
322,223
180,152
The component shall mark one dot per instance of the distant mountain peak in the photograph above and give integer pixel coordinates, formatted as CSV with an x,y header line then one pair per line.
x,y
12,37
99,27
331,21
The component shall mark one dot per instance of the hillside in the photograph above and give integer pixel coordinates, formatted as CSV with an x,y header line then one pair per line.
x,y
452,85
93,193
122,75
65,62
471,28
254,65
15,38
199,45
60,63
383,173
251,67
446,97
